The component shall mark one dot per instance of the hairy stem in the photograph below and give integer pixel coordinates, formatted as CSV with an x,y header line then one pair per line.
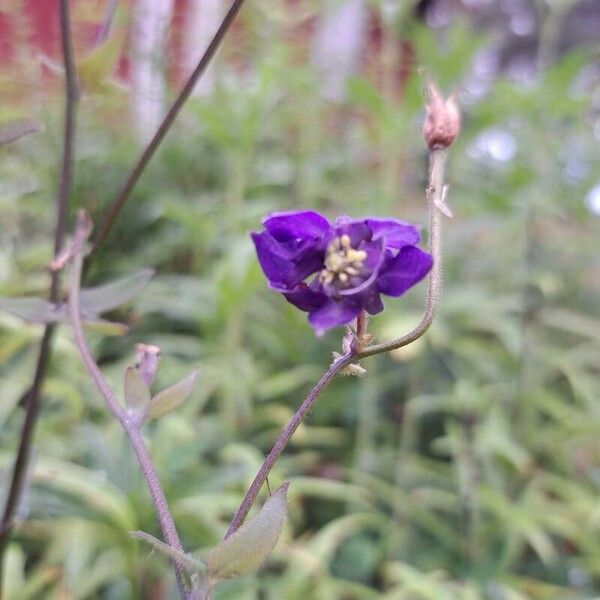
x,y
435,191
32,402
123,195
283,439
130,425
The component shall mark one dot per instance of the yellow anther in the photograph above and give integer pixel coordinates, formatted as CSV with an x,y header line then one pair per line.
x,y
342,262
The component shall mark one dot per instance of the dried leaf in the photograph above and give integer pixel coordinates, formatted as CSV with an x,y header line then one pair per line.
x,y
170,398
247,548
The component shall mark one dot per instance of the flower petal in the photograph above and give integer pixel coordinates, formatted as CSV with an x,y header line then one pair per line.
x,y
403,271
397,234
283,267
304,297
333,313
285,226
371,301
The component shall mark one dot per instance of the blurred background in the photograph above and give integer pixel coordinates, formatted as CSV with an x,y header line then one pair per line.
x,y
466,466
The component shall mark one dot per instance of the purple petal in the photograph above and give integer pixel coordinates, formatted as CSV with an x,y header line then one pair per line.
x,y
333,313
282,266
285,226
371,301
397,234
304,297
357,231
403,271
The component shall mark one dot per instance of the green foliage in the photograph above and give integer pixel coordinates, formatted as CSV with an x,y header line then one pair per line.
x,y
462,467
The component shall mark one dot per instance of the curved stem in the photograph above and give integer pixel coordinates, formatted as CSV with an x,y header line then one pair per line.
x,y
435,192
130,425
283,439
32,402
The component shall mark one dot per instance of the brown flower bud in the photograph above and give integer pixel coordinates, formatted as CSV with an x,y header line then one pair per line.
x,y
442,121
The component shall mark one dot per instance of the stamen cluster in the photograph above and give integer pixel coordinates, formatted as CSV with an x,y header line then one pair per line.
x,y
342,262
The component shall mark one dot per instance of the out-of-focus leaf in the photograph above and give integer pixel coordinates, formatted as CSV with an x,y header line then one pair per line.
x,y
35,310
137,394
94,301
11,132
188,562
170,398
247,548
95,68
105,327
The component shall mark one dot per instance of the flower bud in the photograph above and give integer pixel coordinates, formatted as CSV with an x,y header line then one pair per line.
x,y
442,120
147,361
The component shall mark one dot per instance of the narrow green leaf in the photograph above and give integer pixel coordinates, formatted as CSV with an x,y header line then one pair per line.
x,y
247,548
35,310
188,562
105,327
171,397
105,297
137,394
95,68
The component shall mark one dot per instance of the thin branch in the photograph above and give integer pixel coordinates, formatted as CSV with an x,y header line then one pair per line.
x,y
123,195
32,404
130,425
283,439
435,192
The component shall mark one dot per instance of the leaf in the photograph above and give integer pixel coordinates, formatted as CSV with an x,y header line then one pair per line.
x,y
95,68
188,562
247,548
102,298
170,398
35,310
137,394
105,327
14,130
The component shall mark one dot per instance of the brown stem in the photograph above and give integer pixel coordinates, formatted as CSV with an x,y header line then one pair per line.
x,y
32,403
121,198
130,424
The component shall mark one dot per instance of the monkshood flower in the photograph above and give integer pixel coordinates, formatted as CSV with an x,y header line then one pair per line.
x,y
335,271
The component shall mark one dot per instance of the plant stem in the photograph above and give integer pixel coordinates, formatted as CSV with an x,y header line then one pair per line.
x,y
32,403
123,195
130,425
283,439
435,190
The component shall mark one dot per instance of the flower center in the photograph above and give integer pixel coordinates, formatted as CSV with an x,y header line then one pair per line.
x,y
342,262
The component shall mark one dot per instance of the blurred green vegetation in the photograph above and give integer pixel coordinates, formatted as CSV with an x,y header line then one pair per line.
x,y
463,467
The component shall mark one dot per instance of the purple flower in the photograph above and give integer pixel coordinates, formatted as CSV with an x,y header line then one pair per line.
x,y
353,262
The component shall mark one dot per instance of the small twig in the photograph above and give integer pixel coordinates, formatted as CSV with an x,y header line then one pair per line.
x,y
123,195
32,404
129,424
435,189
